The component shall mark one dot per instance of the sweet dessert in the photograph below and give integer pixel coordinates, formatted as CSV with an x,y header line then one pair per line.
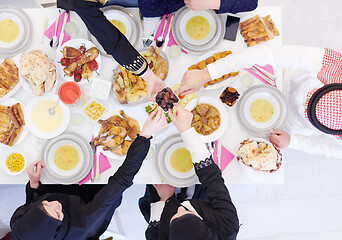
x,y
229,96
166,99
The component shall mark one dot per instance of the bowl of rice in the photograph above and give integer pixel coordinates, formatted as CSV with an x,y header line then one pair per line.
x,y
14,163
258,157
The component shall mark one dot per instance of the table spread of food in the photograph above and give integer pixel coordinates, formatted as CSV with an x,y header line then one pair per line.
x,y
77,109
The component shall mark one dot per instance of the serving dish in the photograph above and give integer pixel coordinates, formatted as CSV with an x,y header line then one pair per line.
x,y
162,160
4,159
273,96
126,17
80,171
214,37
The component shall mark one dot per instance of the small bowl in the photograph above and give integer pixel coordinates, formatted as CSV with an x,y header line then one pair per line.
x,y
4,159
155,98
90,101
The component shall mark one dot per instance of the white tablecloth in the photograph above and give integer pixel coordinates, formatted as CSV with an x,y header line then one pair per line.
x,y
177,66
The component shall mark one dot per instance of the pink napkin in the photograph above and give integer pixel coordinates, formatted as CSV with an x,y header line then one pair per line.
x,y
160,28
226,157
268,68
104,165
51,30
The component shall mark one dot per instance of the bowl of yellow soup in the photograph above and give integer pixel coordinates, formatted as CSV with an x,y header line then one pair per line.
x,y
262,108
67,158
174,163
14,162
42,124
197,31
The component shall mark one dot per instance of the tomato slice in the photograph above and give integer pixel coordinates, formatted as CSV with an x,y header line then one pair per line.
x,y
93,65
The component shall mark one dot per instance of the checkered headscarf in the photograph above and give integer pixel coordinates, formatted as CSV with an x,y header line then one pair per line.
x,y
329,106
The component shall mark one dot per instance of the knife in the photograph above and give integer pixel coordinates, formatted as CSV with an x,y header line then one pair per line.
x,y
97,175
270,76
167,35
219,145
61,36
93,148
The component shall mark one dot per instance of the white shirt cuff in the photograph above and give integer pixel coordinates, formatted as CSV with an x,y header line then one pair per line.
x,y
194,144
294,142
156,210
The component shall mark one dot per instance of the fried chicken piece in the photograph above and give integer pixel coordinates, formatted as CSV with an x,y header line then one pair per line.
x,y
118,131
105,126
114,142
117,89
202,109
119,121
123,149
134,128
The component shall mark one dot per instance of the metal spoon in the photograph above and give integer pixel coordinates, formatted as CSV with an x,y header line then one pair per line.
x,y
160,40
150,39
52,109
54,39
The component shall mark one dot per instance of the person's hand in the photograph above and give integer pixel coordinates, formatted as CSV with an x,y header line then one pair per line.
x,y
155,122
182,118
279,138
34,173
154,84
164,191
192,81
199,5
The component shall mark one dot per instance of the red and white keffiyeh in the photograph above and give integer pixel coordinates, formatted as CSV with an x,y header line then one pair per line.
x,y
329,107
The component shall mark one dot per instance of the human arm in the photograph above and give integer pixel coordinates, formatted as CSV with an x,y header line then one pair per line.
x,y
208,173
34,188
300,57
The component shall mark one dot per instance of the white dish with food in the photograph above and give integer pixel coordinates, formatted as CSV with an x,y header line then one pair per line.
x,y
25,131
6,157
97,128
262,108
100,88
223,116
64,174
11,30
258,157
16,86
94,110
166,171
40,123
76,43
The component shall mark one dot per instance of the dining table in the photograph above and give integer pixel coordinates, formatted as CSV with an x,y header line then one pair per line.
x,y
148,174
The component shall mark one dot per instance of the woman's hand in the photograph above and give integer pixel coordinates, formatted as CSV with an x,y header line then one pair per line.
x,y
164,191
155,122
182,119
199,5
192,81
34,173
154,84
279,138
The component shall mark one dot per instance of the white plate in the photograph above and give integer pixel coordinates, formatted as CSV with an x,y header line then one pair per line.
x,y
192,46
15,18
97,127
126,17
24,83
220,84
223,114
4,159
167,173
10,102
76,43
34,130
16,87
80,171
269,93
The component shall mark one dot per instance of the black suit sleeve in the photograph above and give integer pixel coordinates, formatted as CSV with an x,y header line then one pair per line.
x,y
32,194
111,39
152,231
213,185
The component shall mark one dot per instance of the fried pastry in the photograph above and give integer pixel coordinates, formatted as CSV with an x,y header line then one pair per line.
x,y
9,76
11,122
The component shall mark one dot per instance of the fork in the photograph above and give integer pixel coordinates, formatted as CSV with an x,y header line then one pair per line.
x,y
150,39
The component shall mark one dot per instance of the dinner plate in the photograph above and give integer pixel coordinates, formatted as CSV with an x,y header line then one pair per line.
x,y
217,85
76,43
143,99
24,83
269,93
10,102
82,168
214,37
126,17
25,30
37,132
223,114
16,87
167,173
97,127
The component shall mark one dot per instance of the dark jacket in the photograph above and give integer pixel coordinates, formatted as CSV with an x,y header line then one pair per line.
x,y
156,8
81,221
218,211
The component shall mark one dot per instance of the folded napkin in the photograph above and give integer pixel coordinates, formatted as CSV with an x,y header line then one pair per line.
x,y
51,30
226,157
104,165
171,38
268,68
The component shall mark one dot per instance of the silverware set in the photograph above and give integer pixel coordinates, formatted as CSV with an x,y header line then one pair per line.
x,y
95,175
266,76
55,41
